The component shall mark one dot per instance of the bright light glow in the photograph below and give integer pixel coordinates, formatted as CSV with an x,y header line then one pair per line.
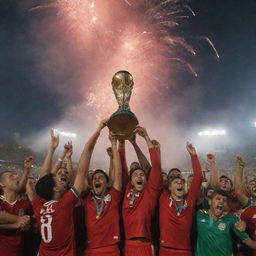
x,y
94,19
128,46
255,124
212,133
65,134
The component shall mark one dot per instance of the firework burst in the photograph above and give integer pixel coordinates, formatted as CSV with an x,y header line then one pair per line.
x,y
135,35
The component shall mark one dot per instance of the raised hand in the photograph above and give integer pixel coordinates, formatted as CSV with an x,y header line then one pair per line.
x,y
156,144
54,140
28,162
132,138
141,131
69,149
112,138
240,162
102,124
191,150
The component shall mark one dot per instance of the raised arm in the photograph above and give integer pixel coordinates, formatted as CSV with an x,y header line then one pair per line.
x,y
214,177
69,163
144,163
111,168
195,187
155,177
239,181
47,165
58,163
117,167
27,167
84,162
214,171
121,149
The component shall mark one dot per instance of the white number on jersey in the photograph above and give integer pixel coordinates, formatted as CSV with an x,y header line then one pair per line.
x,y
46,228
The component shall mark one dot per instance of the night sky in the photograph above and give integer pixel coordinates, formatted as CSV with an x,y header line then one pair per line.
x,y
225,87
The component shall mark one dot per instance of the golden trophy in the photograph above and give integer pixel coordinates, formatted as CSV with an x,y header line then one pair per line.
x,y
123,121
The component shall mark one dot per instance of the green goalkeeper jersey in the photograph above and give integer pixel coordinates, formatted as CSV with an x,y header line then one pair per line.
x,y
215,237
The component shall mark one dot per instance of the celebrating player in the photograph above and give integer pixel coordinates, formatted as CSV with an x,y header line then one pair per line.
x,y
176,211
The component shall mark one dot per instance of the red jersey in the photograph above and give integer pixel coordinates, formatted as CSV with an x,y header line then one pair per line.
x,y
11,241
137,216
234,204
55,221
174,227
104,230
249,216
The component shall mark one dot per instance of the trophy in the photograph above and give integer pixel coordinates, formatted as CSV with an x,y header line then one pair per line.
x,y
123,121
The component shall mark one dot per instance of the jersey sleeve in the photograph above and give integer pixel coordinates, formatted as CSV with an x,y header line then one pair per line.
x,y
245,216
155,177
125,178
37,202
242,235
70,198
248,204
115,194
197,178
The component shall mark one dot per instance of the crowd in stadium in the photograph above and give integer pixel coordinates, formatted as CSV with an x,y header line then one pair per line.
x,y
138,210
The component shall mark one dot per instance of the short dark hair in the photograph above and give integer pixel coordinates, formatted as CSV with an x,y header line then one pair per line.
x,y
220,192
137,165
173,169
176,177
44,186
100,171
133,170
226,177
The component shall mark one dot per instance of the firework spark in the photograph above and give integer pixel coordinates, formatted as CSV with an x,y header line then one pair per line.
x,y
138,36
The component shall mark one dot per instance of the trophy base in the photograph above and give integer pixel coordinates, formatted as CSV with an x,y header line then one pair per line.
x,y
122,123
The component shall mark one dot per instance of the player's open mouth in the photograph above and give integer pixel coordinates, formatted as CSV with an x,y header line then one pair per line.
x,y
139,182
97,185
180,189
63,179
219,207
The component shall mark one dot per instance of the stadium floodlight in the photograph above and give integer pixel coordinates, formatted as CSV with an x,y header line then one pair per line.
x,y
255,124
65,134
212,133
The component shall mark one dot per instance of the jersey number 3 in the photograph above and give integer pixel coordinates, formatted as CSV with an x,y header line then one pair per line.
x,y
46,228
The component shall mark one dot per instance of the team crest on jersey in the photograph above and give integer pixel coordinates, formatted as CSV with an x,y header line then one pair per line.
x,y
107,198
222,226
